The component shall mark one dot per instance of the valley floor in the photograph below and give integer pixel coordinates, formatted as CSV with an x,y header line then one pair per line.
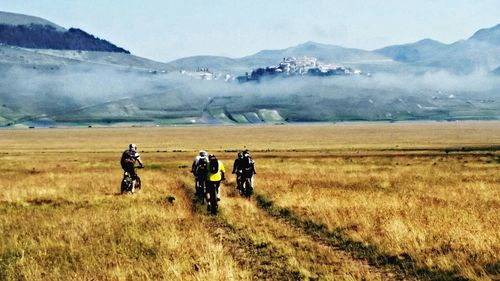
x,y
412,201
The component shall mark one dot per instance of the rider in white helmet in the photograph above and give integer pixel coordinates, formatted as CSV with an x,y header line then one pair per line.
x,y
199,170
202,154
247,165
129,157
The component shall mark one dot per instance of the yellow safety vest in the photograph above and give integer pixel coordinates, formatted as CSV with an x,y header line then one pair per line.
x,y
216,176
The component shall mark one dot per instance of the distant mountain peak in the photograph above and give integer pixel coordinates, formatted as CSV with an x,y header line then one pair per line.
x,y
491,35
428,41
411,52
496,71
312,45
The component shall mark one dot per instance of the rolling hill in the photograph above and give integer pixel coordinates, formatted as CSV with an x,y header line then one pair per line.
x,y
323,52
480,52
20,19
413,52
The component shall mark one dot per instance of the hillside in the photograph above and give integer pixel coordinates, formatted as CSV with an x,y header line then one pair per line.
x,y
413,52
480,52
20,19
213,63
117,59
36,33
497,71
36,36
323,52
489,35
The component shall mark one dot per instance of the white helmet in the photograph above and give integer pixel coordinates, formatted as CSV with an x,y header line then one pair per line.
x,y
203,153
133,146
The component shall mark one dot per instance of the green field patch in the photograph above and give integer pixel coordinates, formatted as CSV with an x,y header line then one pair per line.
x,y
240,118
3,121
252,117
270,115
177,121
220,114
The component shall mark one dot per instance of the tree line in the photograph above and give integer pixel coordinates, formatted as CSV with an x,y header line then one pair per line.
x,y
39,36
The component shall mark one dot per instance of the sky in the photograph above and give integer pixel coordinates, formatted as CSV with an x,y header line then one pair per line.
x,y
165,30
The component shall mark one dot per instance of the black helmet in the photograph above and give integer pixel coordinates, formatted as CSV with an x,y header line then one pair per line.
x,y
211,157
132,146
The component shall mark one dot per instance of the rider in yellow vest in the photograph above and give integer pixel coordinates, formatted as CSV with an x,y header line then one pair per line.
x,y
215,175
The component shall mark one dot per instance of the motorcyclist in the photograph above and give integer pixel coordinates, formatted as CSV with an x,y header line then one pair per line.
x,y
199,170
216,174
247,166
202,154
237,169
129,157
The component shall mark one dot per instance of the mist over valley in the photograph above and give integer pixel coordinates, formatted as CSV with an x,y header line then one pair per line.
x,y
85,80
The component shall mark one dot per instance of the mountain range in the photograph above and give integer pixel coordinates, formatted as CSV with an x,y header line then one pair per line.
x,y
52,76
480,52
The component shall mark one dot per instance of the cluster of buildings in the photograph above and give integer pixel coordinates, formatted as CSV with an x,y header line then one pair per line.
x,y
206,74
293,66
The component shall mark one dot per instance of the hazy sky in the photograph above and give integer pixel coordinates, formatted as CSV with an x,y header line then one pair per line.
x,y
165,30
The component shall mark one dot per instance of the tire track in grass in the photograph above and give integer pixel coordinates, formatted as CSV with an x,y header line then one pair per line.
x,y
273,249
263,260
314,260
404,265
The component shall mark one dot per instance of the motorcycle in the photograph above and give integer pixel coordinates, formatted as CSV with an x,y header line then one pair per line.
x,y
200,185
126,184
212,205
246,187
244,183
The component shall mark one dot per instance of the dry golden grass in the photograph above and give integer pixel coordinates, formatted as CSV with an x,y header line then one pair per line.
x,y
311,259
384,184
297,137
441,210
63,219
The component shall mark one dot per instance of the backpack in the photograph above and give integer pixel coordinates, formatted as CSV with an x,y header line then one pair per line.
x,y
128,157
202,165
213,166
246,163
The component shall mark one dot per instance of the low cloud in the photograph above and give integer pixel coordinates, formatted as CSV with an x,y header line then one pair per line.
x,y
83,86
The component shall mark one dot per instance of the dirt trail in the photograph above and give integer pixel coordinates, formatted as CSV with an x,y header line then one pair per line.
x,y
273,249
264,261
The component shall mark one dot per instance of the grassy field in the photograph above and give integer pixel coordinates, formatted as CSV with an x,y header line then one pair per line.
x,y
333,202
